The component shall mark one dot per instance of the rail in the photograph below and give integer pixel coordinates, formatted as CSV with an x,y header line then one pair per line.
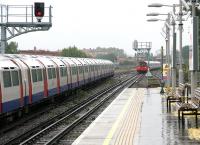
x,y
36,136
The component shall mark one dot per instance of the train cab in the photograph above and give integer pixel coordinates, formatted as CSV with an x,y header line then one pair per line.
x,y
142,67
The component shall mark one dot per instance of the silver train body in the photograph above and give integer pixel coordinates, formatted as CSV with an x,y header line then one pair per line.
x,y
26,79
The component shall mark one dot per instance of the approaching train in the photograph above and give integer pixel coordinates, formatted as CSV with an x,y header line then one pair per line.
x,y
143,67
26,80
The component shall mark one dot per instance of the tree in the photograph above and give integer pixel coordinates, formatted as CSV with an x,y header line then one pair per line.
x,y
11,48
73,52
110,56
185,55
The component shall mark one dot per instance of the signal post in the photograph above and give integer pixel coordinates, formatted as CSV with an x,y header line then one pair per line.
x,y
24,19
142,49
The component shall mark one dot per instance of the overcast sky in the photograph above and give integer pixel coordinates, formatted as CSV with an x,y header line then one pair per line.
x,y
93,23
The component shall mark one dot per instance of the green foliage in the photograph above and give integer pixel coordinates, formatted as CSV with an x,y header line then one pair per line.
x,y
112,50
185,55
11,48
110,56
127,62
73,52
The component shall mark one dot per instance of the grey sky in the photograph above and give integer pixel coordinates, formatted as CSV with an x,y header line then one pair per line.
x,y
93,23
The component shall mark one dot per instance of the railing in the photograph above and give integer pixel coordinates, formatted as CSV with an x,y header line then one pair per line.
x,y
22,14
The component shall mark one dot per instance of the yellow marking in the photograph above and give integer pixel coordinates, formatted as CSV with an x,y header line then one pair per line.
x,y
194,133
114,127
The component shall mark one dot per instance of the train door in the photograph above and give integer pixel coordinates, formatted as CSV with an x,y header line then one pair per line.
x,y
37,81
11,98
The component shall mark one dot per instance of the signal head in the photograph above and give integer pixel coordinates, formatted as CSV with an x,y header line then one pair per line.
x,y
39,9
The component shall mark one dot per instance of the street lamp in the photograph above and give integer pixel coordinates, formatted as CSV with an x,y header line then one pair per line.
x,y
154,20
158,5
162,82
154,14
167,24
181,3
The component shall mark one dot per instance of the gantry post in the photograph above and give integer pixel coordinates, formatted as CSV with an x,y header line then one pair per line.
x,y
20,19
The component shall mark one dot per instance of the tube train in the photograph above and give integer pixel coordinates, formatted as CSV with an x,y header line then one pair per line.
x,y
26,80
142,66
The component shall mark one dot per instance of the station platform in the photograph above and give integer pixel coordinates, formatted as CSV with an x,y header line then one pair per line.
x,y
138,116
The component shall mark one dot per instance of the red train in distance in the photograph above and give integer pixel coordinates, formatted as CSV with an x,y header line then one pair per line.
x,y
142,67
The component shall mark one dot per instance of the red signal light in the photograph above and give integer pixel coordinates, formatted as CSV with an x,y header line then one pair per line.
x,y
39,9
38,14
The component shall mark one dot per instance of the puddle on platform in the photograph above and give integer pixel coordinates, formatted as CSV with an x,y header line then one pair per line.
x,y
158,127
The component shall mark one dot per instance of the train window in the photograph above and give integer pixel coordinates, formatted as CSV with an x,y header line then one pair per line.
x,y
73,70
53,72
6,79
34,75
15,78
85,69
39,75
49,73
63,71
80,70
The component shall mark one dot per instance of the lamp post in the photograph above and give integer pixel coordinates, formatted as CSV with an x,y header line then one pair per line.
x,y
181,79
162,82
181,2
167,25
194,52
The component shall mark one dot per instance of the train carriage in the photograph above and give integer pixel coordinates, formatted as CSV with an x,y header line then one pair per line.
x,y
85,69
35,80
80,72
73,72
97,68
99,62
27,80
91,74
23,79
50,76
62,72
32,86
94,72
106,69
142,67
110,67
10,100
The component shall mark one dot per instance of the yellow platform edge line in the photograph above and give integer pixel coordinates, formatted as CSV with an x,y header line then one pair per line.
x,y
115,125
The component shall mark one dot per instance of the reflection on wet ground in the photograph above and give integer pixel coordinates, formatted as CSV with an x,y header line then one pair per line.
x,y
161,128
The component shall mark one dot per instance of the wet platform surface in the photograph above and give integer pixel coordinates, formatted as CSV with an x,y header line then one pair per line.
x,y
155,126
158,127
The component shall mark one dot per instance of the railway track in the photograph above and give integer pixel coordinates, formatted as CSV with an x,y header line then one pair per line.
x,y
64,123
22,129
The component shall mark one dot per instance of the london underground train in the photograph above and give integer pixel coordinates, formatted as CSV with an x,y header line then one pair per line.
x,y
28,79
142,67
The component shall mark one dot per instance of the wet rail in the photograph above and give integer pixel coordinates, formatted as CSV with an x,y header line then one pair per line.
x,y
37,125
60,127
